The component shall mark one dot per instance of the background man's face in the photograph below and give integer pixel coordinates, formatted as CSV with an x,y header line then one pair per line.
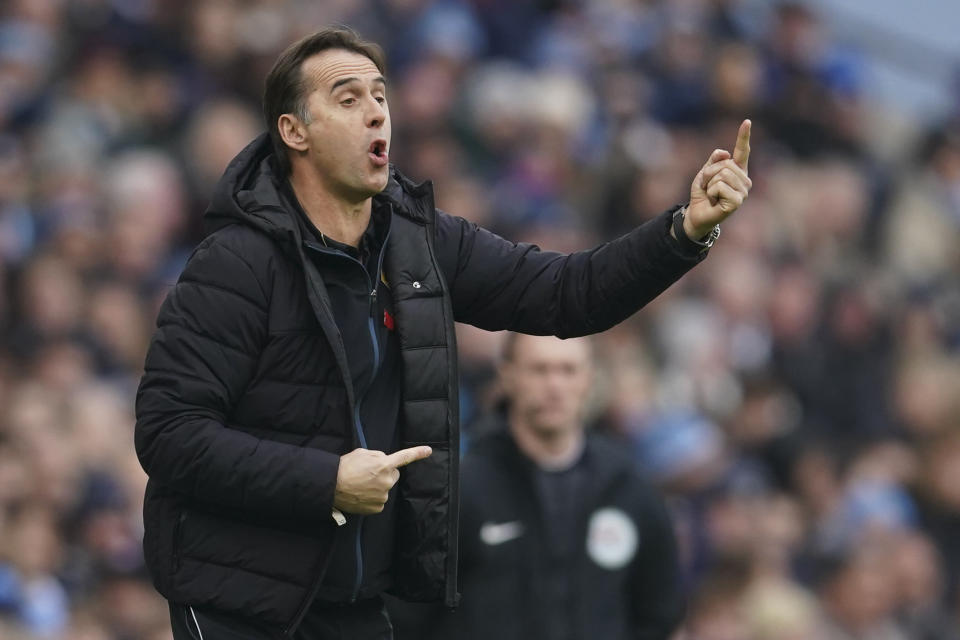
x,y
349,113
548,382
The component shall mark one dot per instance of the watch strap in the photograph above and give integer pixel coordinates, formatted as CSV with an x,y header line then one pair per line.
x,y
687,243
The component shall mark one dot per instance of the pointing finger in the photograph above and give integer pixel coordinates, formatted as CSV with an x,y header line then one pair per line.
x,y
741,153
405,456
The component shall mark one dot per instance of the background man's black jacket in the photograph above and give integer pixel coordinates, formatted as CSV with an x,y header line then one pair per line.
x,y
506,562
246,403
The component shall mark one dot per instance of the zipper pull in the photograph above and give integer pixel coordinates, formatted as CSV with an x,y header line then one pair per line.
x,y
373,300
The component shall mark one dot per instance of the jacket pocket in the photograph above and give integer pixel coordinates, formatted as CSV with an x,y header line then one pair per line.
x,y
177,535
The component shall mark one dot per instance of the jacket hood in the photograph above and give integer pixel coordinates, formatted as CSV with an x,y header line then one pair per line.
x,y
249,193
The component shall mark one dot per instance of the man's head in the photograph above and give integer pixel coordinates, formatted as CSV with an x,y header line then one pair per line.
x,y
326,110
547,381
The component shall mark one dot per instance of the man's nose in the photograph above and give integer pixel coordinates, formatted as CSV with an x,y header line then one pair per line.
x,y
376,115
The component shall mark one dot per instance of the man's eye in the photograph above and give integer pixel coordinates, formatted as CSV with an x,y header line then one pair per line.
x,y
348,101
381,99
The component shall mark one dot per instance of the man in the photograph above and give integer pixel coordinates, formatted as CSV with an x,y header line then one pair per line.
x,y
307,354
560,537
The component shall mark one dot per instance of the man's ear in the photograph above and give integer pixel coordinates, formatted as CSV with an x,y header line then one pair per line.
x,y
293,131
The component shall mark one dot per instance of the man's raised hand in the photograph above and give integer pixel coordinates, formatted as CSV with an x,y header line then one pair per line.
x,y
365,477
720,187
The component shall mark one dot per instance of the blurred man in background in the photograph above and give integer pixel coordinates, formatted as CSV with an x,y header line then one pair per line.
x,y
561,539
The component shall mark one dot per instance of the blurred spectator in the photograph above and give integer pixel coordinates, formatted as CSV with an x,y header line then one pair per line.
x,y
859,596
919,580
32,552
560,537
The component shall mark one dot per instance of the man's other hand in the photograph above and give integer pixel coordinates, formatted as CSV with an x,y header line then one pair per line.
x,y
365,477
720,187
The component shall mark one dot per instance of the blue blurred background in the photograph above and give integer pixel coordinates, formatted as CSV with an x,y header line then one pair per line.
x,y
797,397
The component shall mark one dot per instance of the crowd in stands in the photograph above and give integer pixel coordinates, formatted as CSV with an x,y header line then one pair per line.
x,y
796,397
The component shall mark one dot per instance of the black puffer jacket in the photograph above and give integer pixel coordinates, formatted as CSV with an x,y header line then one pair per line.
x,y
246,403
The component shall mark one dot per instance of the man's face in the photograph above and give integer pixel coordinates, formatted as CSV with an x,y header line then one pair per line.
x,y
548,381
348,136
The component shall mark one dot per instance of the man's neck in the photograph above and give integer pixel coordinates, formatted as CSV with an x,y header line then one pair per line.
x,y
335,217
552,452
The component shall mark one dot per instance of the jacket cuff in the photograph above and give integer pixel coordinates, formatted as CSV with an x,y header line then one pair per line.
x,y
321,483
681,245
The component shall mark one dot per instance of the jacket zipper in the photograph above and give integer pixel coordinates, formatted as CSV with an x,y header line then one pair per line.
x,y
358,424
372,283
372,297
313,288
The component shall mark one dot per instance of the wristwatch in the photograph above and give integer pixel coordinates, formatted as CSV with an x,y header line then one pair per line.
x,y
688,243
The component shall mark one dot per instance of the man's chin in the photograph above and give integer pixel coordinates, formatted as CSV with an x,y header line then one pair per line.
x,y
551,428
378,181
371,187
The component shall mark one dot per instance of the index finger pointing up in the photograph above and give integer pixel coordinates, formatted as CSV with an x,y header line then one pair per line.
x,y
741,153
405,456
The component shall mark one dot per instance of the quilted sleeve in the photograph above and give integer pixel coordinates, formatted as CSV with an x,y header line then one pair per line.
x,y
210,331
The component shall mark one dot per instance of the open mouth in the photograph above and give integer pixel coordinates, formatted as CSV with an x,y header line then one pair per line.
x,y
378,152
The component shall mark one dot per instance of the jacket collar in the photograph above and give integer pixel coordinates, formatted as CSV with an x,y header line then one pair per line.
x,y
249,192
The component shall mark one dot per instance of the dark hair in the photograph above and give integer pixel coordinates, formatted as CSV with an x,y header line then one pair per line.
x,y
284,90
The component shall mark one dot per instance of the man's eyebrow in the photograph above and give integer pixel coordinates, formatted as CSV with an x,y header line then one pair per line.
x,y
343,81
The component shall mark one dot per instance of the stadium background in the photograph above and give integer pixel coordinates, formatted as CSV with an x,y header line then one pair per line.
x,y
797,396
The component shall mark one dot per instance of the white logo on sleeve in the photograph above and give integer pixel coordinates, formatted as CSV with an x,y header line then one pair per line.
x,y
611,538
493,533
